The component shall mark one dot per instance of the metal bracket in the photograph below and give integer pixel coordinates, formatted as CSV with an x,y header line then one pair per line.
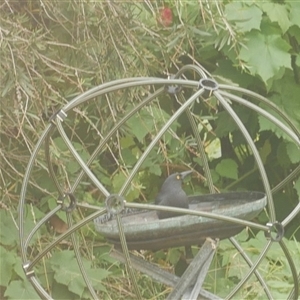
x,y
25,267
60,115
72,205
276,229
172,89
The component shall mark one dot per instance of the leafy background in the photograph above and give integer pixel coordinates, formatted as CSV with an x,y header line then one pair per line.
x,y
52,51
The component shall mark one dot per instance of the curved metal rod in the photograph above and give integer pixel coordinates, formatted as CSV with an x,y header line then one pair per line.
x,y
24,189
103,142
121,84
201,150
131,82
295,136
250,272
39,224
113,131
139,163
264,113
250,264
93,92
292,293
65,235
198,70
248,138
39,289
50,165
98,92
127,257
157,137
266,102
293,269
287,130
291,215
287,179
267,188
80,161
79,260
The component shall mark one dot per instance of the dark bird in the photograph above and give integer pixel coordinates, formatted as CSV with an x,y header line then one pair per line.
x,y
172,194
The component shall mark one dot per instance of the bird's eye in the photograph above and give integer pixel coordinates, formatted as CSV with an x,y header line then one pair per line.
x,y
178,177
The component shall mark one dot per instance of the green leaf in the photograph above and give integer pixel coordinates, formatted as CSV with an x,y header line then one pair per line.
x,y
245,17
118,181
198,31
277,13
174,255
18,289
227,70
287,96
18,269
8,233
298,60
265,54
155,169
213,149
281,154
265,125
67,272
8,260
61,151
128,157
228,168
225,124
297,187
265,151
52,204
280,285
140,125
293,152
295,12
127,142
60,291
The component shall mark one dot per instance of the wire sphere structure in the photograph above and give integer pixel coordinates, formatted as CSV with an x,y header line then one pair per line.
x,y
116,200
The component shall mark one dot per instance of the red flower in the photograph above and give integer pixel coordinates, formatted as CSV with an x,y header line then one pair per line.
x,y
165,16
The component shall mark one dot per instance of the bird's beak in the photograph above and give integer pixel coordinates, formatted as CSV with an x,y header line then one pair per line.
x,y
186,173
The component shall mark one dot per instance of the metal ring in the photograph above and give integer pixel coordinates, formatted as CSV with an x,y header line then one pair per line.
x,y
115,204
209,85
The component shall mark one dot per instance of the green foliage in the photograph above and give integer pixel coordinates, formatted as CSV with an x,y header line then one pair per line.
x,y
274,268
266,53
52,51
21,290
228,168
67,273
246,17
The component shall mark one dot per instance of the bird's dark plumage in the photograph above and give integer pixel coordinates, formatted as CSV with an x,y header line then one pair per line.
x,y
172,194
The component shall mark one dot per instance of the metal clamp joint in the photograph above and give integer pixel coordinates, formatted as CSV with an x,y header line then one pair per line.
x,y
275,232
25,267
59,115
71,206
115,204
209,85
172,89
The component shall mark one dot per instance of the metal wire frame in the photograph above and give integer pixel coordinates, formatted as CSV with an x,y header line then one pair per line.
x,y
203,87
